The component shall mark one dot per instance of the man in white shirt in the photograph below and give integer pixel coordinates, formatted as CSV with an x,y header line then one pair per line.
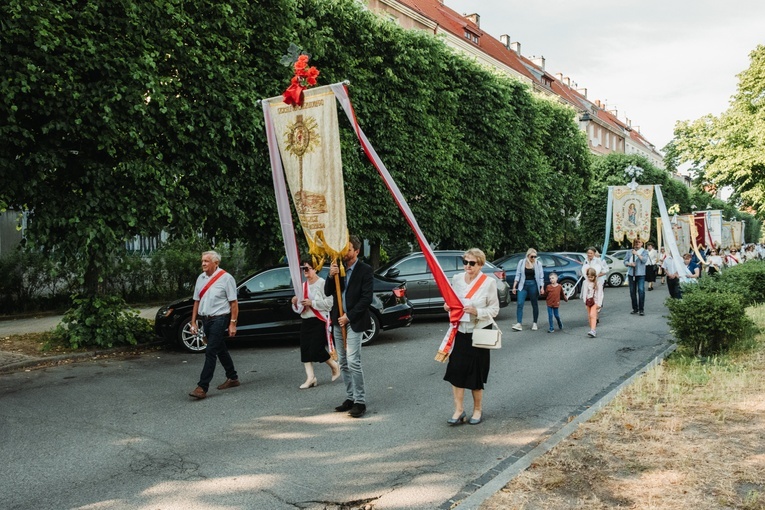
x,y
216,305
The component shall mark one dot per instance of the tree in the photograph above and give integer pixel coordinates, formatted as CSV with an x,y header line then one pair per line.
x,y
122,118
731,148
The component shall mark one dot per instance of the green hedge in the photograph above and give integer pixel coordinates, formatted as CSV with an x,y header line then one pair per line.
x,y
711,316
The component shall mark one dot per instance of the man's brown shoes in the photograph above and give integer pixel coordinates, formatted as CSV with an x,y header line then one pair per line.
x,y
198,393
230,383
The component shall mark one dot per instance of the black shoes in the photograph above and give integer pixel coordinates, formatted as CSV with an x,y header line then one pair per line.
x,y
345,406
633,312
641,312
358,410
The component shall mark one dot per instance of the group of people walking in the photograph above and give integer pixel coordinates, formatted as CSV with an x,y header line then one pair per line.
x,y
332,328
216,306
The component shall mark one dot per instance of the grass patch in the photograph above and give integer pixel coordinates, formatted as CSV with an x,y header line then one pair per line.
x,y
687,434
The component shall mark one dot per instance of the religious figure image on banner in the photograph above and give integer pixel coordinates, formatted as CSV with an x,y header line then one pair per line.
x,y
309,143
714,225
727,235
632,213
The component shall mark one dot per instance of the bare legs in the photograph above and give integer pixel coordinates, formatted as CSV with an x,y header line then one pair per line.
x,y
459,396
334,367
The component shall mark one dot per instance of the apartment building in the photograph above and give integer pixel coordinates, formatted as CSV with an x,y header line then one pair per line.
x,y
606,133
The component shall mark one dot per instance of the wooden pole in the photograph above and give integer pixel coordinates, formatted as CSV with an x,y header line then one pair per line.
x,y
339,297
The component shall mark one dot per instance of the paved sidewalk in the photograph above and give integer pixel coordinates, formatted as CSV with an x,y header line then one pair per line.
x,y
10,361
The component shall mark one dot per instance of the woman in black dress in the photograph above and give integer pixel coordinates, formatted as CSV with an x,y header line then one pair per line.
x,y
468,366
313,326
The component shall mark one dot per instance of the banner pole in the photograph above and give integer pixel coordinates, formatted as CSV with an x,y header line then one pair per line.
x,y
339,297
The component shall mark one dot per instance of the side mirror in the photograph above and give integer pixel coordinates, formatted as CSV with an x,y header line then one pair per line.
x,y
392,272
243,292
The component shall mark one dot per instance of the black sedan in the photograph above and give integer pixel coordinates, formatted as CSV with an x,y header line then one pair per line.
x,y
265,310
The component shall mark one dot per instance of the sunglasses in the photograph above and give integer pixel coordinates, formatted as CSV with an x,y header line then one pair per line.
x,y
470,263
532,256
306,268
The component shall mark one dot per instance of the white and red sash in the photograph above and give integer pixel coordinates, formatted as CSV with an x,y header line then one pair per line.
x,y
447,344
212,280
324,317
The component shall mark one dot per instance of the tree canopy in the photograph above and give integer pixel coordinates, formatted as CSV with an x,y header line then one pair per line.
x,y
730,149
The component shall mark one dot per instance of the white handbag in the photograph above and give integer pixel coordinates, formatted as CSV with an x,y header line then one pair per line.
x,y
488,338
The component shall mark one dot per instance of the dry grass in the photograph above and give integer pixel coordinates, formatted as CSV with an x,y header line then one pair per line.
x,y
688,434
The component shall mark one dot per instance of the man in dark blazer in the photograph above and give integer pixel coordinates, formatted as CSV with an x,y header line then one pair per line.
x,y
357,293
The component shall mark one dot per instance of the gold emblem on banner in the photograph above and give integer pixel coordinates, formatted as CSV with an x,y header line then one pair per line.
x,y
301,138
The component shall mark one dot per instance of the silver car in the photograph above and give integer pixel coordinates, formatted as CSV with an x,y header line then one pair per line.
x,y
617,271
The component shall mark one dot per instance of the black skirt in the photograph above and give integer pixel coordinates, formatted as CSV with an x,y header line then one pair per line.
x,y
468,366
313,341
650,273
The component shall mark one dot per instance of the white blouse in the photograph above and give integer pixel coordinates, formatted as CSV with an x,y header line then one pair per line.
x,y
485,301
319,300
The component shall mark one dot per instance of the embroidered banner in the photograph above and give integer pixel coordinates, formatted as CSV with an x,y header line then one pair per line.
x,y
309,143
682,228
714,226
703,237
632,213
727,235
736,234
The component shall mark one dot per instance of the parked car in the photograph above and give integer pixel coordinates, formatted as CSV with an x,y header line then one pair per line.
x,y
567,269
422,290
617,271
265,310
619,254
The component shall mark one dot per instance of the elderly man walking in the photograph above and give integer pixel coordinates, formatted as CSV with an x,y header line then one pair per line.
x,y
215,304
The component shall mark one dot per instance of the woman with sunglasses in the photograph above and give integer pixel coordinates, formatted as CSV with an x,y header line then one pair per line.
x,y
468,366
529,282
313,326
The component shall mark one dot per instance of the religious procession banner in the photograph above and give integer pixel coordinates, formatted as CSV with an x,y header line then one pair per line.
x,y
308,139
632,212
714,226
727,235
703,236
683,228
737,234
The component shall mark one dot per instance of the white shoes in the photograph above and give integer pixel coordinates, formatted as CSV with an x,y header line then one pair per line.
x,y
534,327
310,383
591,333
518,326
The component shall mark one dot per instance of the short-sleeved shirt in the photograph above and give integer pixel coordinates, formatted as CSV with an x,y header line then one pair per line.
x,y
216,299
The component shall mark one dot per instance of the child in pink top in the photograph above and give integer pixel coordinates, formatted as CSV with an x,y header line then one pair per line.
x,y
592,295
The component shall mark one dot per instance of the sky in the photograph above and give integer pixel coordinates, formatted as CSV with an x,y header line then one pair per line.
x,y
656,62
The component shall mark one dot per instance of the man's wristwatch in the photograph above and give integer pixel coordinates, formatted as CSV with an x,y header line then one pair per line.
x,y
233,321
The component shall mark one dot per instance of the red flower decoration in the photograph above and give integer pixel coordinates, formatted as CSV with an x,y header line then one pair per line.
x,y
304,77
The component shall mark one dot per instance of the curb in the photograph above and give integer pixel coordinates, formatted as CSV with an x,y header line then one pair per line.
x,y
74,356
496,478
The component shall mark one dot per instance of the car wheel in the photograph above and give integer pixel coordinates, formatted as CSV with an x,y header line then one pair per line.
x,y
615,280
190,341
569,288
372,333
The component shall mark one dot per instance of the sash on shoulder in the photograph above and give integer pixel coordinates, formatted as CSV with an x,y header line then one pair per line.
x,y
214,279
447,344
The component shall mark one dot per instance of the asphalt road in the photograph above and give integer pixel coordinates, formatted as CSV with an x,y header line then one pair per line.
x,y
122,434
